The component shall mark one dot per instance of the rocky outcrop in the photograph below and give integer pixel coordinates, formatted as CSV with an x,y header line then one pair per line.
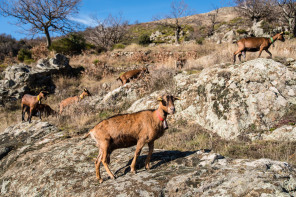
x,y
19,78
229,37
257,29
47,164
17,140
234,100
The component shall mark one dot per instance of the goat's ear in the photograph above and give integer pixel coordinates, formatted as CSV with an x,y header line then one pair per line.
x,y
177,98
159,99
282,33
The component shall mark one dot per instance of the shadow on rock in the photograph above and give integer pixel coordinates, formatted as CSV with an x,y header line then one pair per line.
x,y
158,159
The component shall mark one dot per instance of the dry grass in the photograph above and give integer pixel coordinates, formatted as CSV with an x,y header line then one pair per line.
x,y
195,137
165,55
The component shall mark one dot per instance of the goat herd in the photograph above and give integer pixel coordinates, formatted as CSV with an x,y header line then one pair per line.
x,y
138,128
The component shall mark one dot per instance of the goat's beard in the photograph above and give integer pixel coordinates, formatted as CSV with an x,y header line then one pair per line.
x,y
165,125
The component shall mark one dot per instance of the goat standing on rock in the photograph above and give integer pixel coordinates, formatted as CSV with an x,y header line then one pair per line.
x,y
127,130
254,44
31,102
71,100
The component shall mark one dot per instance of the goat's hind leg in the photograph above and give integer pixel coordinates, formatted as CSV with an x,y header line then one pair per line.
x,y
244,54
104,149
234,55
97,165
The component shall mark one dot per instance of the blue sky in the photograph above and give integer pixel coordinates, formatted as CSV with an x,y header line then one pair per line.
x,y
131,10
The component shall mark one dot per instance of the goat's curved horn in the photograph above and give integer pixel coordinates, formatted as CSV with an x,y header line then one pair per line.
x,y
159,99
177,98
282,33
85,89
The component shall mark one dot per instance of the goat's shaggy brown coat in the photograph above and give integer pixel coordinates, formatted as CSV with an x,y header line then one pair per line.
x,y
132,74
71,100
127,130
254,44
31,102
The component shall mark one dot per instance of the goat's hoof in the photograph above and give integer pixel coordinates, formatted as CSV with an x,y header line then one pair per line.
x,y
100,180
134,172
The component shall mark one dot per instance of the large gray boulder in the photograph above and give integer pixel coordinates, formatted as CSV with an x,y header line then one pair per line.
x,y
235,100
47,164
19,77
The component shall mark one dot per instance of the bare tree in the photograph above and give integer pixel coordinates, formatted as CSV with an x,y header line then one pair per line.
x,y
255,9
42,16
176,18
213,16
289,13
109,31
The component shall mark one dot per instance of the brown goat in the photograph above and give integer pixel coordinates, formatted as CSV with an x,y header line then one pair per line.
x,y
132,74
254,44
41,109
74,99
31,102
127,130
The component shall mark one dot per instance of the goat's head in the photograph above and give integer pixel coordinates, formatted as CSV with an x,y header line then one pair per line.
x,y
280,37
145,70
167,103
85,93
42,94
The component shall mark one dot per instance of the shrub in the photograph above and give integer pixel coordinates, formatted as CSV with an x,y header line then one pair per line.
x,y
144,39
71,45
241,31
119,46
40,51
24,54
199,40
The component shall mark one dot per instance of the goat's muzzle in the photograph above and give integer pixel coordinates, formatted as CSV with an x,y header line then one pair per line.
x,y
171,110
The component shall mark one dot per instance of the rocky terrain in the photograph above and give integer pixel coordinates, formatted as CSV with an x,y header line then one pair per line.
x,y
19,78
249,101
44,163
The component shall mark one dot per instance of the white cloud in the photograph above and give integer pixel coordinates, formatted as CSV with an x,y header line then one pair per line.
x,y
83,19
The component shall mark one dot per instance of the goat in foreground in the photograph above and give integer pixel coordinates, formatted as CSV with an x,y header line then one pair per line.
x,y
254,44
127,130
132,74
71,100
31,102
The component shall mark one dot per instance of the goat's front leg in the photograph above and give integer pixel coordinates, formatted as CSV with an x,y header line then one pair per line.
x,y
151,147
268,53
23,112
30,115
140,145
261,49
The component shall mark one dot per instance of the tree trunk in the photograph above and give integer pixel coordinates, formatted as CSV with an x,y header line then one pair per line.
x,y
177,34
294,28
48,39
